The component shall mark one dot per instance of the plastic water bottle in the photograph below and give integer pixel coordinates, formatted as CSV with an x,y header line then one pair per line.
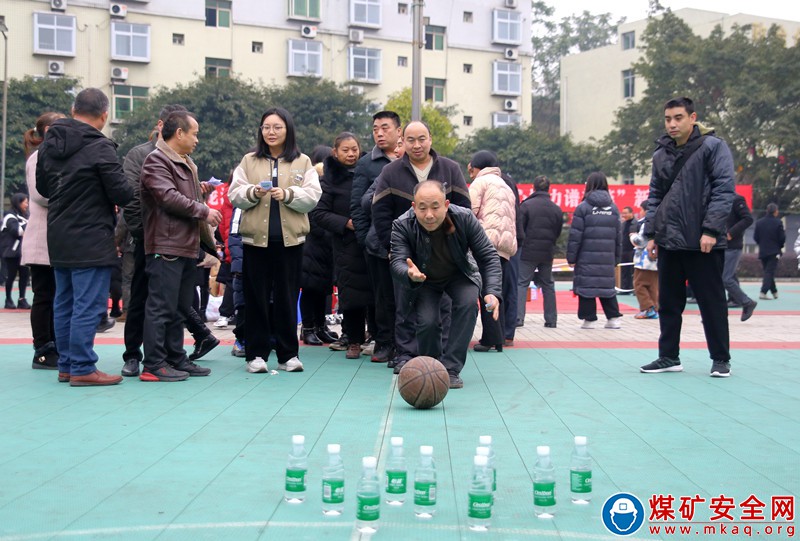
x,y
396,474
368,497
580,472
296,469
544,484
479,513
333,482
486,441
425,484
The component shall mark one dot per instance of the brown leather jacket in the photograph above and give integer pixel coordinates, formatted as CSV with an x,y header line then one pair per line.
x,y
172,209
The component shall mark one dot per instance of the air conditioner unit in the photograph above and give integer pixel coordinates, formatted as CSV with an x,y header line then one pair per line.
x,y
510,105
58,5
119,73
510,53
356,90
118,10
511,4
308,31
356,36
55,67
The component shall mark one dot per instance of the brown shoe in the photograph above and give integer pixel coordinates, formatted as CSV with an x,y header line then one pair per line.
x,y
95,378
122,317
508,343
63,377
353,351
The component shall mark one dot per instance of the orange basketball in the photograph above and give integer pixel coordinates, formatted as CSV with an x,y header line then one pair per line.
x,y
423,382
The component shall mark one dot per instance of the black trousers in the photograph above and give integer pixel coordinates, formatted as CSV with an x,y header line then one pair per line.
x,y
312,308
353,321
493,333
271,274
43,284
13,267
704,273
587,308
770,264
383,288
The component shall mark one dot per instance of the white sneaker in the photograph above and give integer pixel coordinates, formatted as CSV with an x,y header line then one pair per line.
x,y
589,324
614,323
292,365
257,366
221,323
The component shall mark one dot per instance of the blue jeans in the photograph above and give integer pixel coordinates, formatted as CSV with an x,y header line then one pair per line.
x,y
80,302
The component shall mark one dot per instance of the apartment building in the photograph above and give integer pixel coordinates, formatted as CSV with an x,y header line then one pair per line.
x,y
475,56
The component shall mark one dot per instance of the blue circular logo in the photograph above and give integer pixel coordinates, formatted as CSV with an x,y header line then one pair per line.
x,y
623,514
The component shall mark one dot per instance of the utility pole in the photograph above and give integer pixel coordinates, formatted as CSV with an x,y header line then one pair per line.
x,y
416,60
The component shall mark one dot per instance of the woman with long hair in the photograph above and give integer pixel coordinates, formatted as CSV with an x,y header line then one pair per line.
x,y
35,254
276,187
11,232
594,249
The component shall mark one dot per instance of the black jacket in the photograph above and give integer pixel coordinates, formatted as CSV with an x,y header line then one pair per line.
x,y
11,232
367,170
470,248
78,171
738,221
394,190
332,213
542,221
595,245
770,236
132,166
700,198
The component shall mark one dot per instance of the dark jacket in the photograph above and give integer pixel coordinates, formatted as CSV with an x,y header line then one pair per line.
x,y
700,198
542,221
11,232
172,207
78,171
235,243
738,221
368,168
332,213
628,227
595,245
132,166
470,249
770,236
394,190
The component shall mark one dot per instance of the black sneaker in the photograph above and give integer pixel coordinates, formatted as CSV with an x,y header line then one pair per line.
x,y
748,309
662,364
131,368
192,369
165,373
203,346
399,366
45,357
10,305
23,305
106,324
382,353
456,382
720,369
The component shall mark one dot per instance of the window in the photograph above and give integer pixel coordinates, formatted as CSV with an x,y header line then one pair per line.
x,y
304,9
507,27
257,47
365,64
402,9
627,179
218,13
305,58
130,42
628,40
500,120
434,38
468,121
628,83
507,78
177,39
218,67
402,61
467,16
127,99
434,90
467,68
54,34
366,12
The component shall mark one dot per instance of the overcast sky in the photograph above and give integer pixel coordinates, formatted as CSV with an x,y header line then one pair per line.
x,y
637,9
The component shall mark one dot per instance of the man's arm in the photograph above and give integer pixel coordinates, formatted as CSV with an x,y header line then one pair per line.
x,y
157,179
743,218
720,173
111,175
653,201
132,168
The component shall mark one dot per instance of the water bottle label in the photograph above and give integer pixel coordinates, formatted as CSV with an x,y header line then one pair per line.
x,y
368,507
480,506
424,493
295,480
544,494
333,490
580,482
396,482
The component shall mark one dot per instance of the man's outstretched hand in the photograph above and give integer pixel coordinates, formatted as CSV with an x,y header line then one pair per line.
x,y
414,273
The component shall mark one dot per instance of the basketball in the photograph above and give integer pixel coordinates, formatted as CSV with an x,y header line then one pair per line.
x,y
423,382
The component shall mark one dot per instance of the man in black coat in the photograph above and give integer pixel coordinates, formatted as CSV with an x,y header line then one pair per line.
x,y
439,248
542,221
771,237
738,221
79,173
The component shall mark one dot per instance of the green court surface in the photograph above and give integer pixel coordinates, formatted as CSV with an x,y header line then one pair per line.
x,y
205,458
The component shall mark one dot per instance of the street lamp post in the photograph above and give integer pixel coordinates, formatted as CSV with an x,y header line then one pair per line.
x,y
4,30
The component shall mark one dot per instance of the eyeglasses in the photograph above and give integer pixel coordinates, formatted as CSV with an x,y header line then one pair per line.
x,y
275,129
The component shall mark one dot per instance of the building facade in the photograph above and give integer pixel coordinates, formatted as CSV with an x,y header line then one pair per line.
x,y
475,56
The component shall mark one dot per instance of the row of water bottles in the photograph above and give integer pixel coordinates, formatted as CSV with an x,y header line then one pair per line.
x,y
544,479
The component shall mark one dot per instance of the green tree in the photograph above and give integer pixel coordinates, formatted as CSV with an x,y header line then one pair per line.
x,y
28,98
443,133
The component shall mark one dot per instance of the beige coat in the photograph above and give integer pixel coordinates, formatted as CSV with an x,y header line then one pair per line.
x,y
34,249
494,206
300,181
